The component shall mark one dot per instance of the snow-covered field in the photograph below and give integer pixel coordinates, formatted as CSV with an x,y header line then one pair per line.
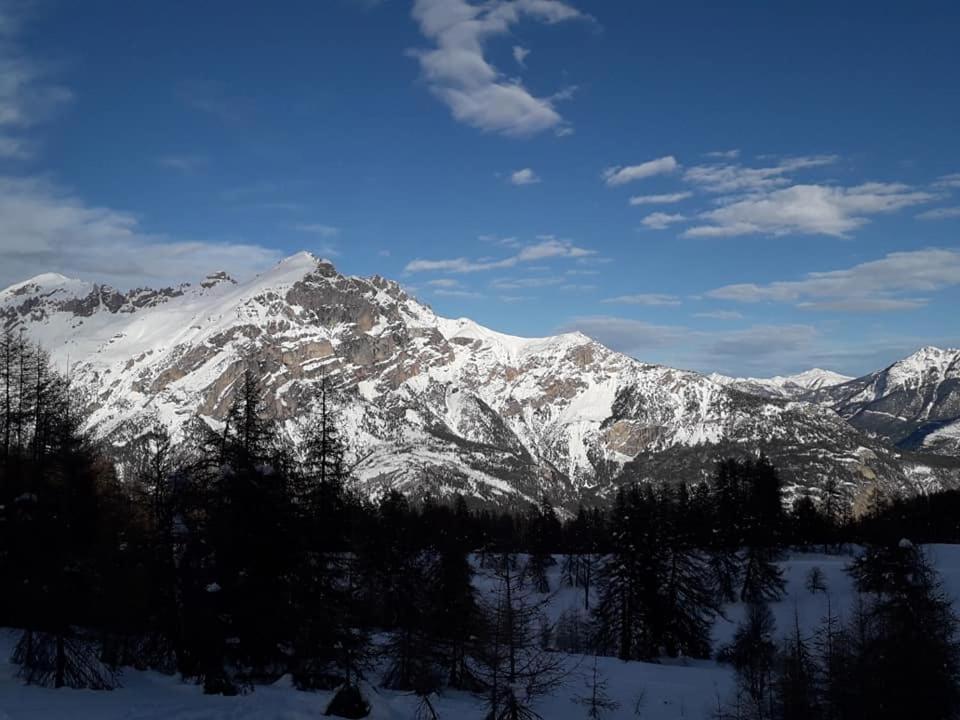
x,y
671,691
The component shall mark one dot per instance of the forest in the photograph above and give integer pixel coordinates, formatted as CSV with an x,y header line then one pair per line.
x,y
233,556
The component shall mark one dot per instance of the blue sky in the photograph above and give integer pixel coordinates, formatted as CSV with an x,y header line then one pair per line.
x,y
752,189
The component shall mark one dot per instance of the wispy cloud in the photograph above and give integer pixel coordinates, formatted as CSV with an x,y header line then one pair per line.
x,y
544,249
727,178
520,55
948,181
525,283
216,101
462,294
15,147
526,176
509,241
762,340
663,199
724,154
326,231
186,164
624,334
944,213
577,271
44,226
28,96
890,283
661,221
622,174
458,73
578,287
719,315
446,283
649,299
763,348
807,209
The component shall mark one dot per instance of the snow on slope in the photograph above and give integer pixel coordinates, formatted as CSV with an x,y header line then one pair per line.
x,y
945,440
429,404
790,386
678,689
905,402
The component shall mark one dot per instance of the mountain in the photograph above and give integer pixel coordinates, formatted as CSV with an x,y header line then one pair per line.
x,y
791,386
433,404
914,403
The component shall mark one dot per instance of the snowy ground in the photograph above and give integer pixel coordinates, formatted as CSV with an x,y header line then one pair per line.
x,y
677,690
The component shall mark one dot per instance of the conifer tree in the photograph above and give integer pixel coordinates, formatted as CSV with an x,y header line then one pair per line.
x,y
543,540
753,654
796,691
909,654
513,667
596,700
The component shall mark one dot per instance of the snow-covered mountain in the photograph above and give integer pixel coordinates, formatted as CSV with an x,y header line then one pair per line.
x,y
790,386
432,404
914,402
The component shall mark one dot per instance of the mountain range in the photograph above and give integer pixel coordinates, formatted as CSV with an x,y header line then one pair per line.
x,y
438,405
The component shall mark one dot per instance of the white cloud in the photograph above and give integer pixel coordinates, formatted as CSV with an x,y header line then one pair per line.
x,y
865,305
547,247
620,175
948,181
724,154
726,178
944,213
27,97
661,221
458,73
624,334
447,283
520,55
649,299
509,241
526,176
758,349
806,209
326,231
45,229
462,294
663,199
720,315
761,340
879,285
578,287
524,283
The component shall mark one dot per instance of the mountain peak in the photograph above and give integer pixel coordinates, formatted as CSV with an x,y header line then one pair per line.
x,y
424,399
815,378
926,358
305,259
43,280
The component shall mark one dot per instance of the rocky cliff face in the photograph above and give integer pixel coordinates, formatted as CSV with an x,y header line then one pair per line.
x,y
432,404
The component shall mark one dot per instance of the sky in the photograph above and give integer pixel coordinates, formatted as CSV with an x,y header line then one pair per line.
x,y
753,189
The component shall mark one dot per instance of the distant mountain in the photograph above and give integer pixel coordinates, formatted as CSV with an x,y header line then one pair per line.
x,y
439,405
791,386
914,403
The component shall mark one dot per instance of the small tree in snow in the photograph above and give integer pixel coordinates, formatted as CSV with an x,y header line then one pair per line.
x,y
816,581
513,667
596,700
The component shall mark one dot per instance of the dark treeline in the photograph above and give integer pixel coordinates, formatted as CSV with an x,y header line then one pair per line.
x,y
236,556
